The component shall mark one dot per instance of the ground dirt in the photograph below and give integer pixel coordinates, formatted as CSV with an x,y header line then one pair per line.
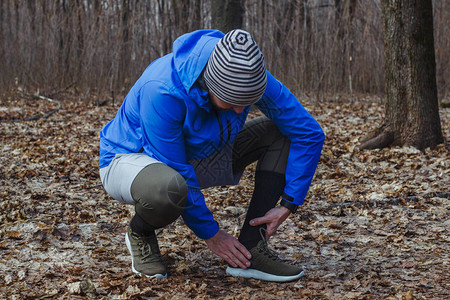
x,y
375,224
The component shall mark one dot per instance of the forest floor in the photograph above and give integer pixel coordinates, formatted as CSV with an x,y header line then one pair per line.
x,y
375,224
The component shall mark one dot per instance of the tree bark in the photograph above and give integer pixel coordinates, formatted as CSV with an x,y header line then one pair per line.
x,y
2,38
226,15
124,57
412,112
80,38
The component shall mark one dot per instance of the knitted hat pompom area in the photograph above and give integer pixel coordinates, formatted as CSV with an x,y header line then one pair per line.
x,y
236,72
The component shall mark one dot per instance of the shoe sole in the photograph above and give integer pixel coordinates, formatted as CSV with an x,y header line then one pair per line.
x,y
252,273
159,276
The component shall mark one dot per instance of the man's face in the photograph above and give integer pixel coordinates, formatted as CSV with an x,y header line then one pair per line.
x,y
221,106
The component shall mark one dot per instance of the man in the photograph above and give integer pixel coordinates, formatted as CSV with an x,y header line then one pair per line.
x,y
182,127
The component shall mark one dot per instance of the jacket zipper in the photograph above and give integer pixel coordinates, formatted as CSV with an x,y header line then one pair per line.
x,y
229,131
221,129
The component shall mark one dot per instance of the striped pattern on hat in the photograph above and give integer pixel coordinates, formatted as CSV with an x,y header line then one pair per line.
x,y
235,72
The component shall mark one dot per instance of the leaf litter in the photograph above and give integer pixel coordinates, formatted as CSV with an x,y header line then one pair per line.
x,y
375,223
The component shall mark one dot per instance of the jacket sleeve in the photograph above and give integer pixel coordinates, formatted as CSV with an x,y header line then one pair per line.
x,y
162,118
306,136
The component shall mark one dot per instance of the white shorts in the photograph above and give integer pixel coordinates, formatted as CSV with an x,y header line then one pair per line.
x,y
118,176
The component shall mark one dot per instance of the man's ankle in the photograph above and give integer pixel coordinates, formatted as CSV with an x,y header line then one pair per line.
x,y
140,227
249,243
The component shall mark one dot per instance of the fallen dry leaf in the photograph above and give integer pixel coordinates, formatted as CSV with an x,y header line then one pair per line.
x,y
374,224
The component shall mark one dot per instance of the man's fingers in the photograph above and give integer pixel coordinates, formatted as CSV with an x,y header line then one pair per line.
x,y
243,250
230,249
235,253
258,221
270,230
241,260
234,256
229,260
235,259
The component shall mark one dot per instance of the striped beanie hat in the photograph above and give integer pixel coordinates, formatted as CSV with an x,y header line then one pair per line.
x,y
235,72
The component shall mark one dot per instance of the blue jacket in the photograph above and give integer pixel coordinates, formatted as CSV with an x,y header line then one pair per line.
x,y
168,116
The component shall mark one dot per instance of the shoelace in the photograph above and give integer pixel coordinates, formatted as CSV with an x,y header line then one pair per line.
x,y
148,249
265,247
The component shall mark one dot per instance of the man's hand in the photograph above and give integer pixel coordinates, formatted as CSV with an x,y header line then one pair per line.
x,y
228,247
273,219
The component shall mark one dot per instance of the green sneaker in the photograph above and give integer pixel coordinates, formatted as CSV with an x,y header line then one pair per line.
x,y
145,256
266,265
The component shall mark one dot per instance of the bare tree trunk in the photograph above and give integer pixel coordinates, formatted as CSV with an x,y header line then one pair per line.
x,y
166,42
65,42
2,38
80,38
412,113
196,15
124,47
307,44
180,12
226,15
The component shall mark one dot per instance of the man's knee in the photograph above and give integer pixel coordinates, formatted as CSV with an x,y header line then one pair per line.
x,y
160,194
260,140
263,130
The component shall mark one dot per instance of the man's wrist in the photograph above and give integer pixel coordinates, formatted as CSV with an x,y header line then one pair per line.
x,y
291,206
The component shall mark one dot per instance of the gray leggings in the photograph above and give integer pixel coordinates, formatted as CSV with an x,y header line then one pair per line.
x,y
160,192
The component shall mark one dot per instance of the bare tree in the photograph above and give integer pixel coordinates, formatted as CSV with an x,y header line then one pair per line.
x,y
2,38
226,14
124,56
344,20
412,114
84,46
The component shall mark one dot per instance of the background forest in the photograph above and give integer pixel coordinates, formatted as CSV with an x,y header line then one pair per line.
x,y
375,223
97,47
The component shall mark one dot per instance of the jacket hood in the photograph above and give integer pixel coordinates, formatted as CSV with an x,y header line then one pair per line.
x,y
191,52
